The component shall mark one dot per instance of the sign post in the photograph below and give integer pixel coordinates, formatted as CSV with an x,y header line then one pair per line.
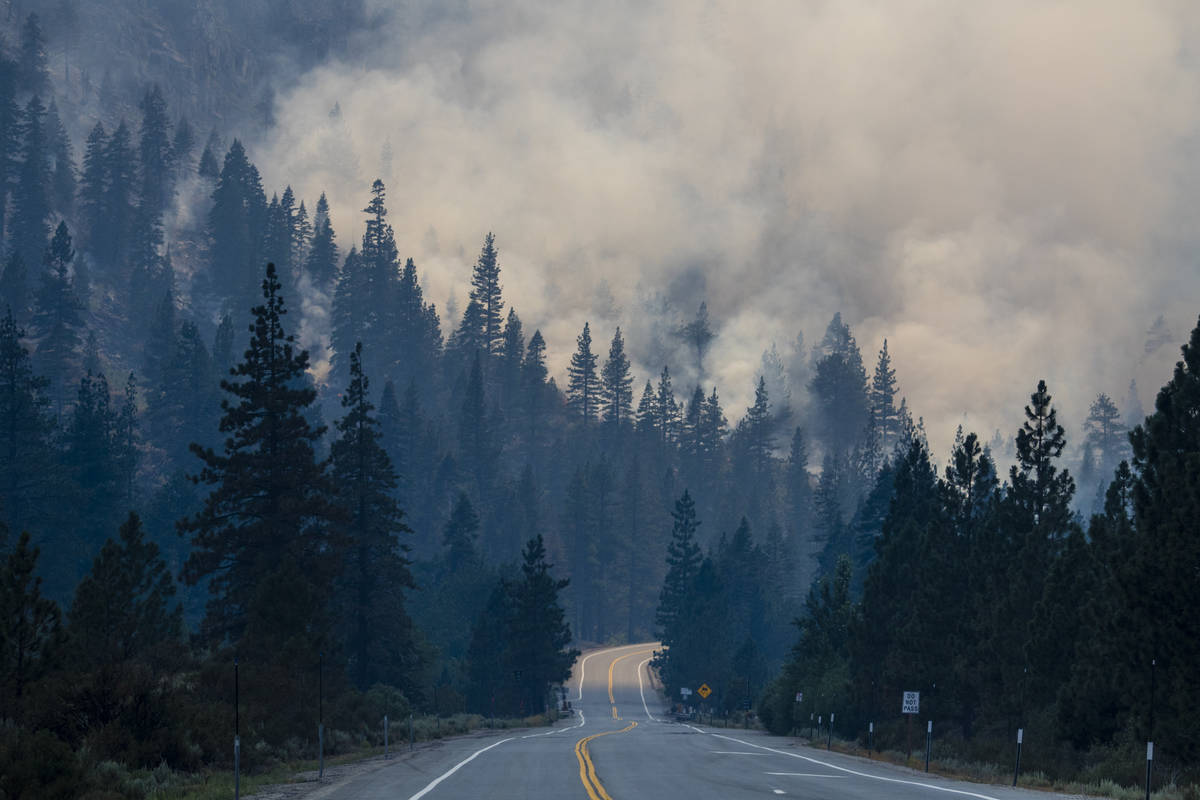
x,y
928,743
829,741
237,737
1017,768
910,705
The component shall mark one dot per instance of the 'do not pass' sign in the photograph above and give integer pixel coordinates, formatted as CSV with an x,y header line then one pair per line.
x,y
912,703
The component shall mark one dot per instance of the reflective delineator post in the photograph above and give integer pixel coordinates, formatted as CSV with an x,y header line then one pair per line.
x,y
410,733
1149,766
385,737
1017,768
928,743
829,741
321,717
871,738
237,739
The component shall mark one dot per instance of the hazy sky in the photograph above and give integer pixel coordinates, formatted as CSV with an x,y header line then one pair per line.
x,y
1006,191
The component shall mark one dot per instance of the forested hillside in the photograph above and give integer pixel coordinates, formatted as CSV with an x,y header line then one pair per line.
x,y
233,434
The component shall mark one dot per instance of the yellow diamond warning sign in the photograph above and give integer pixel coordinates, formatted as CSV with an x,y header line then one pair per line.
x,y
704,691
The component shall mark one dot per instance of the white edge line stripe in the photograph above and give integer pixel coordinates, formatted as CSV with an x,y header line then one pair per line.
x,y
859,774
579,724
642,691
584,660
456,768
806,774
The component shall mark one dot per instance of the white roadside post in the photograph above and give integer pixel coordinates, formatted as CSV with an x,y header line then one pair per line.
x,y
1017,768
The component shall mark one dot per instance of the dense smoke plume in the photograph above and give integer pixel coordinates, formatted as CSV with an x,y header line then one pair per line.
x,y
1004,191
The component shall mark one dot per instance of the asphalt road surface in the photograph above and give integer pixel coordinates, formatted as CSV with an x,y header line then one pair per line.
x,y
618,745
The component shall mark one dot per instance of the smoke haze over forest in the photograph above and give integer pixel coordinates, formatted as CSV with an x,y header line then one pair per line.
x,y
972,187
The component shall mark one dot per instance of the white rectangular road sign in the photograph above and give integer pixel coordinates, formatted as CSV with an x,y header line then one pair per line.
x,y
684,691
799,696
912,703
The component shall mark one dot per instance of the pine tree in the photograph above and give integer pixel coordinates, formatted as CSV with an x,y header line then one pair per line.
x,y
755,430
183,146
646,415
207,166
123,610
799,486
683,563
698,333
93,183
321,264
155,155
119,202
222,351
57,318
883,403
26,428
30,625
666,411
33,68
62,180
14,287
617,384
539,637
269,510
839,388
379,634
533,382
10,134
1105,436
582,385
485,290
236,222
1158,578
512,354
475,436
31,195
460,534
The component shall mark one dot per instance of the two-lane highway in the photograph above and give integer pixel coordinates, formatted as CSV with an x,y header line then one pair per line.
x,y
619,744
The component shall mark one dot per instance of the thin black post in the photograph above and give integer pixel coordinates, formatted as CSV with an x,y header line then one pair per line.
x,y
385,737
321,716
1150,733
1017,768
410,733
928,743
237,738
829,741
871,738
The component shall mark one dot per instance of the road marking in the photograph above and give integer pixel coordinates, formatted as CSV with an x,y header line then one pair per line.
x,y
587,770
779,791
737,753
806,774
642,690
579,724
614,710
612,665
856,772
456,768
584,660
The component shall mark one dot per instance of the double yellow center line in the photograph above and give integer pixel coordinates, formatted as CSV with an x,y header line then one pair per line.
x,y
587,770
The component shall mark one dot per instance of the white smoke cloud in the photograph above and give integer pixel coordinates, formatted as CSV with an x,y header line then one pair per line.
x,y
1002,190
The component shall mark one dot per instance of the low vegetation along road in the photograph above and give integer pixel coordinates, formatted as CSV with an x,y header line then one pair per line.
x,y
621,744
